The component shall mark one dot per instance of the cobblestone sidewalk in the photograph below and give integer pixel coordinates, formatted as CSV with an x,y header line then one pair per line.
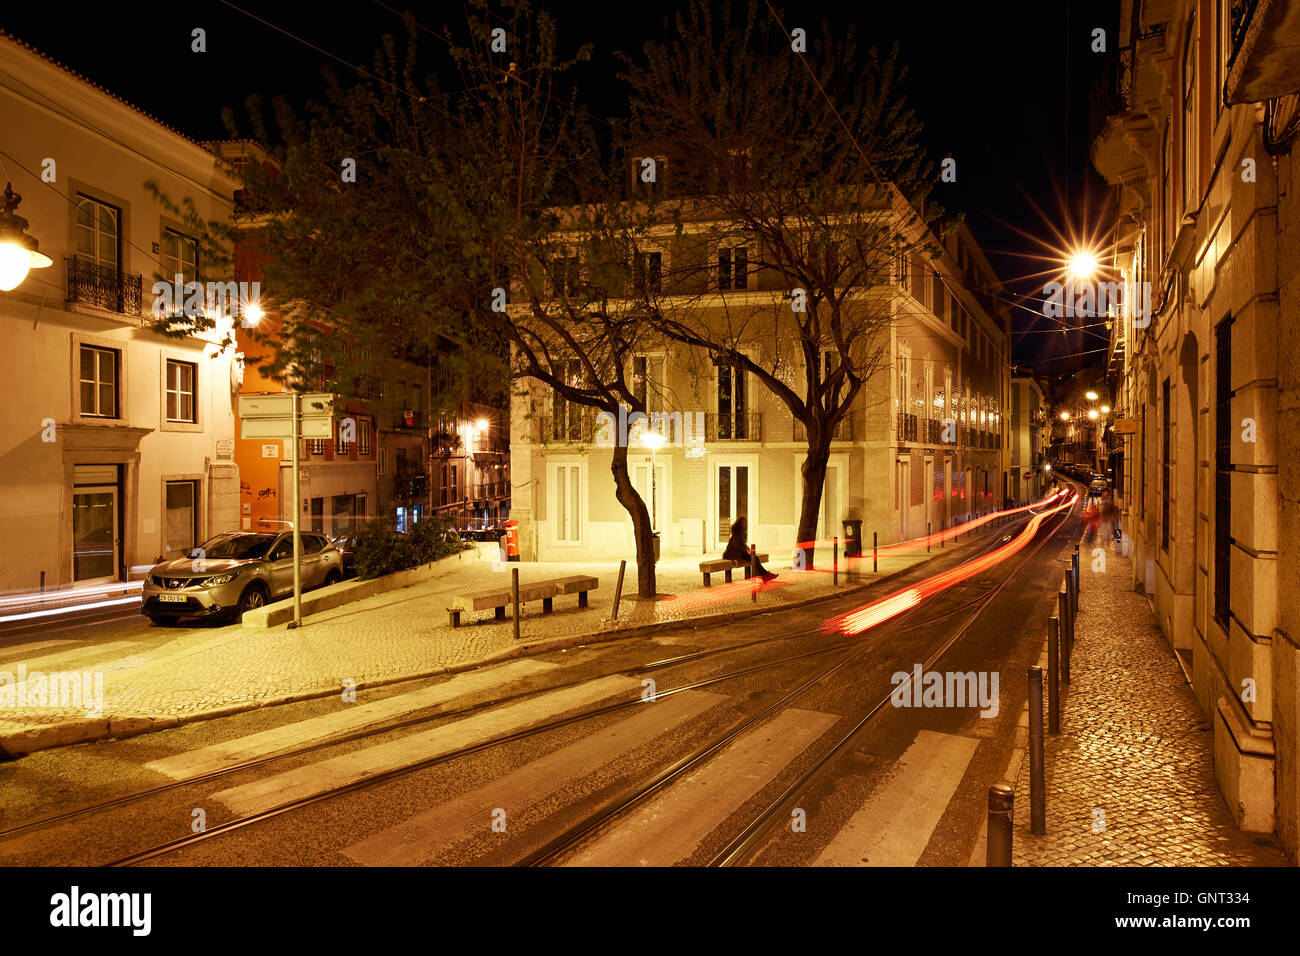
x,y
1130,778
205,672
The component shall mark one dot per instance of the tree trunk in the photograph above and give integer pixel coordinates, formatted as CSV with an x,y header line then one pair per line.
x,y
814,479
641,528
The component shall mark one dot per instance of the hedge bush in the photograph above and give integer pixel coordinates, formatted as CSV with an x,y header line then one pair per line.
x,y
382,549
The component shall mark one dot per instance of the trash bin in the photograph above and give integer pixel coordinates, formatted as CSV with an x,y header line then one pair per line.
x,y
852,537
512,540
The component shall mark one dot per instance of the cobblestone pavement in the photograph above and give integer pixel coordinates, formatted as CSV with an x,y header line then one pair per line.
x,y
401,633
1130,779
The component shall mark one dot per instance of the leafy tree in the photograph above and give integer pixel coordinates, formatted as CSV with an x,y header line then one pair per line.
x,y
810,164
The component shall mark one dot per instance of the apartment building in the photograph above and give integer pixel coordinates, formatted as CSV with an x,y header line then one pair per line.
x,y
1028,436
116,442
1196,128
923,444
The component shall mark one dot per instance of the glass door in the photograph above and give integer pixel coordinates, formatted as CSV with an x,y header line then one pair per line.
x,y
732,486
94,533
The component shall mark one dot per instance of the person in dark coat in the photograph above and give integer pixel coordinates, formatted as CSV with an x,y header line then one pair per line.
x,y
738,548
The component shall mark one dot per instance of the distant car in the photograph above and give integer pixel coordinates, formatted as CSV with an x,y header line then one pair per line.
x,y
236,572
1098,487
346,544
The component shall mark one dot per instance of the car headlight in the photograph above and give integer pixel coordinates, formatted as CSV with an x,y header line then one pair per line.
x,y
218,579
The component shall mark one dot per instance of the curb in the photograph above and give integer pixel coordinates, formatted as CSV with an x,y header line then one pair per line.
x,y
88,730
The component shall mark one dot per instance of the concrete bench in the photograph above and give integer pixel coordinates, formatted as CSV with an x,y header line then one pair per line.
x,y
499,598
726,565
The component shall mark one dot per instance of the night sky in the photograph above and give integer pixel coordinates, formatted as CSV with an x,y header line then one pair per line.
x,y
991,82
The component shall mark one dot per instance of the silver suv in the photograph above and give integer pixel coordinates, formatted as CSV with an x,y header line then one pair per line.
x,y
236,572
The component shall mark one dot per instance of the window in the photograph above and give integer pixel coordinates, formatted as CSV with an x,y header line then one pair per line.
x,y
567,417
1189,116
363,437
564,275
733,268
1223,431
180,256
182,524
99,377
340,446
732,420
316,447
180,391
98,232
1166,466
901,271
648,272
568,513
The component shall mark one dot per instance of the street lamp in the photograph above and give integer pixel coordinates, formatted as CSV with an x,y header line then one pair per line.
x,y
1105,409
18,252
1082,265
1065,416
654,441
1092,396
1092,413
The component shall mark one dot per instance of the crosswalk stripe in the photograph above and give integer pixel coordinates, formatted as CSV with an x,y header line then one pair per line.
x,y
252,746
420,838
893,827
670,827
349,768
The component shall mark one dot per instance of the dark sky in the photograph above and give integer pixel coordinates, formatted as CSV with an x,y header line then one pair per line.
x,y
1002,87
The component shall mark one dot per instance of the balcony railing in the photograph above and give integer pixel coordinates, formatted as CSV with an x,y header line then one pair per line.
x,y
491,489
90,283
906,427
842,432
738,426
579,426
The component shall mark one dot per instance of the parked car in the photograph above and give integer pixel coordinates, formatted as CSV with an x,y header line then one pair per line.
x,y
236,572
346,544
1098,487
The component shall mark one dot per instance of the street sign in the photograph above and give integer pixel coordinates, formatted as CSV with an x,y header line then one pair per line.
x,y
1126,426
271,416
283,428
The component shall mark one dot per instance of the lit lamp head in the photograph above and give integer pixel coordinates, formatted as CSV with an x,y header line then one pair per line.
x,y
1092,413
1092,396
1105,409
18,253
1082,265
652,440
481,425
1065,416
253,314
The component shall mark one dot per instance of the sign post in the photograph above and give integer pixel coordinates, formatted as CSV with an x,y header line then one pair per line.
x,y
281,415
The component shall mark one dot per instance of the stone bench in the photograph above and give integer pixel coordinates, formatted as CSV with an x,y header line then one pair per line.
x,y
499,598
726,565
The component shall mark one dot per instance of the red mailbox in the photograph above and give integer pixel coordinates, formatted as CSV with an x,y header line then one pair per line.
x,y
512,540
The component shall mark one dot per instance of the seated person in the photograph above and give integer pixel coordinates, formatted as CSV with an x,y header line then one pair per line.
x,y
738,548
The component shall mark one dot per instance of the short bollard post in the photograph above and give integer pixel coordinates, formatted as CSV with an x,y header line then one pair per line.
x,y
753,574
835,561
1002,801
1037,785
618,589
1063,613
514,592
1075,561
874,565
1053,676
928,532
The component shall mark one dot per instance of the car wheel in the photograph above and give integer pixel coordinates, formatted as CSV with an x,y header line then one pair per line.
x,y
332,577
254,596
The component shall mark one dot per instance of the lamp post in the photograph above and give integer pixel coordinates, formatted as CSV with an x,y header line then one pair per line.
x,y
654,441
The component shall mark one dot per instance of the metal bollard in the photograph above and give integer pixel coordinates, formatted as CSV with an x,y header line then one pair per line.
x,y
1063,613
618,589
514,590
1002,801
1074,561
928,532
753,574
835,561
1053,676
873,553
1037,784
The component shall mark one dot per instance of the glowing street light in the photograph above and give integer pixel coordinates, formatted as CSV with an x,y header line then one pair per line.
x,y
1105,409
1065,416
18,253
253,314
1092,413
481,424
1092,396
1082,265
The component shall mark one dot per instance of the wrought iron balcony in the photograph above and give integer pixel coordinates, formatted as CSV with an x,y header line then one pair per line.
x,y
578,426
737,426
842,432
906,427
90,283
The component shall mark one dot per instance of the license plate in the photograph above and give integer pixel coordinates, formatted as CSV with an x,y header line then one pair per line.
x,y
172,598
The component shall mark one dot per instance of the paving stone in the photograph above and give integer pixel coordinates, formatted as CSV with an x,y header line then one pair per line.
x,y
1135,745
